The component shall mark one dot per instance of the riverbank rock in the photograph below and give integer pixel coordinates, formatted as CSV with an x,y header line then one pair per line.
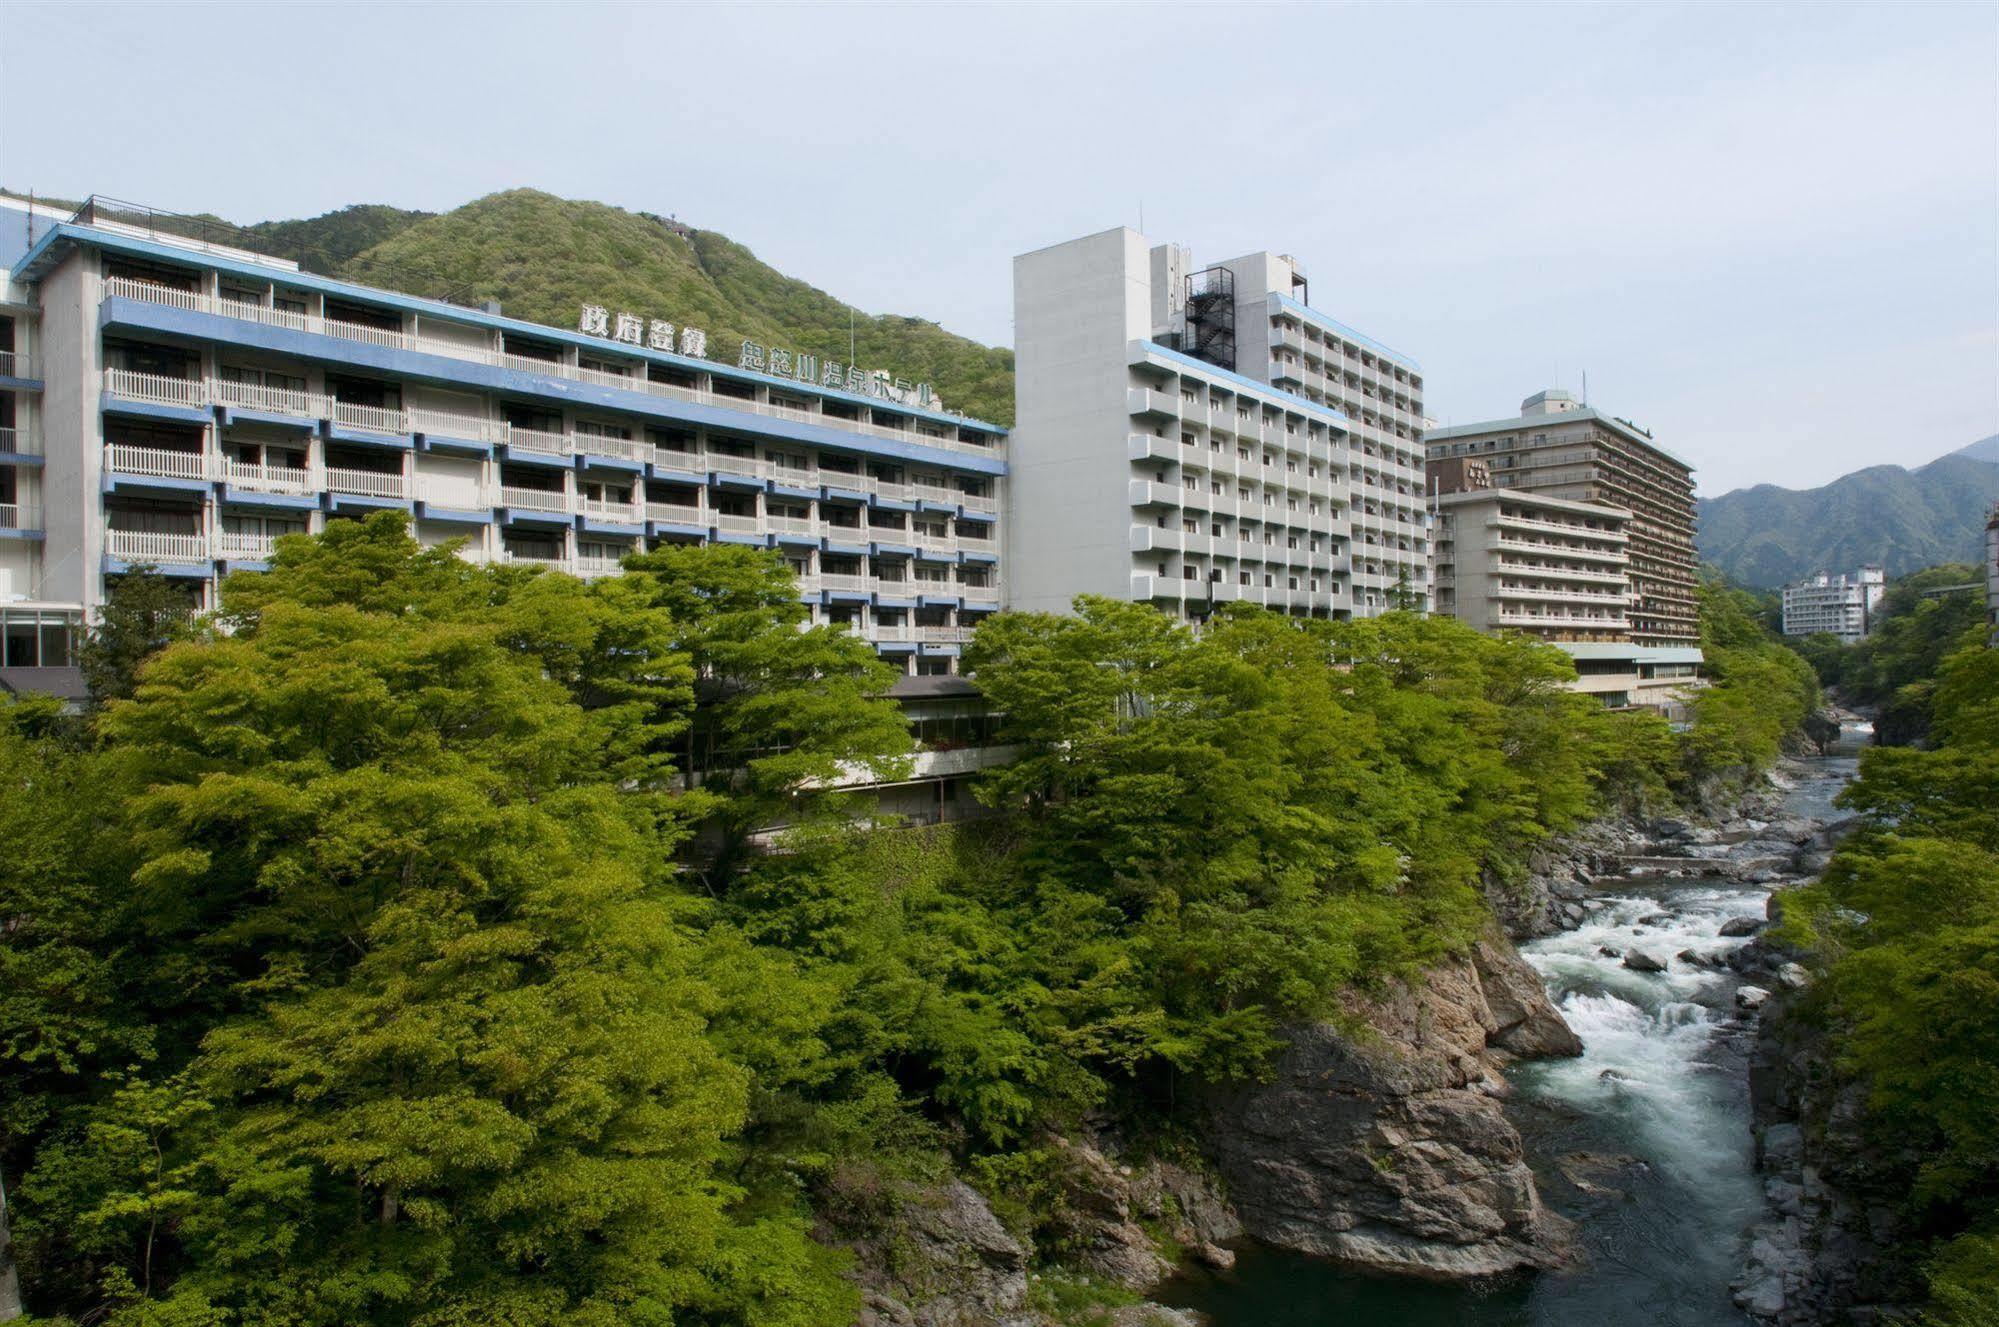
x,y
942,1260
1643,960
1111,1211
1378,1142
1827,1249
1736,927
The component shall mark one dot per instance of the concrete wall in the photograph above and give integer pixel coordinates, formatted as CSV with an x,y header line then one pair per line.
x,y
1077,306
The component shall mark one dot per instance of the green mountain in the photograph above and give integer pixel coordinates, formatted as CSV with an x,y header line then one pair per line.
x,y
543,257
1899,519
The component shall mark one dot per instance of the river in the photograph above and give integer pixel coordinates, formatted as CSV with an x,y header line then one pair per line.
x,y
1643,1141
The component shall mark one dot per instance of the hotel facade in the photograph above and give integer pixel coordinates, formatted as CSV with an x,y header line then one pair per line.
x,y
182,404
1188,438
1841,606
1558,447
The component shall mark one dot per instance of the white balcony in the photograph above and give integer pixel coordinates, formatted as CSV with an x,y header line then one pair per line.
x,y
155,388
294,480
535,440
935,543
451,424
546,561
605,510
367,483
722,463
19,516
858,584
893,492
592,565
14,364
534,499
726,523
604,444
273,400
892,632
163,462
372,418
18,442
978,502
799,525
150,546
980,595
676,512
788,472
245,544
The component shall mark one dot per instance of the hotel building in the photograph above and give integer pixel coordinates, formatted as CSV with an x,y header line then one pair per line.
x,y
1190,437
1557,447
1548,567
1841,605
183,404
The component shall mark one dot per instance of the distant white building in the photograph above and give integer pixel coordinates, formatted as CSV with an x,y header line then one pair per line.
x,y
1841,605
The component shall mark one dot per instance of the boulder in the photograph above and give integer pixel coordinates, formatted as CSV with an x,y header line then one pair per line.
x,y
1214,1255
1736,927
1793,977
1750,998
1643,960
944,1261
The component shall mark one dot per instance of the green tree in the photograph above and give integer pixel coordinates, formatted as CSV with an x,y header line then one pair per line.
x,y
143,613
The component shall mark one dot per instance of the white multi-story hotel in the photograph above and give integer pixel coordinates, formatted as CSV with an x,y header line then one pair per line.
x,y
1192,437
1841,605
1548,567
182,404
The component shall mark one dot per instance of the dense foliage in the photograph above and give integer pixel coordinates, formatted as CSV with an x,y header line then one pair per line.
x,y
396,950
1905,924
1883,515
1758,691
1922,618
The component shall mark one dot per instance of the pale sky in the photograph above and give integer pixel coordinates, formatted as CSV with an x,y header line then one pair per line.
x,y
1769,234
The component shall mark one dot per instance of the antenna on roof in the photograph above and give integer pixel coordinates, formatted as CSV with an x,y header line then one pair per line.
x,y
1585,386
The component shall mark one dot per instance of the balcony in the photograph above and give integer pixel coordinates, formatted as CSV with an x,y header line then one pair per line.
x,y
535,440
976,596
245,544
938,493
367,483
678,513
1144,401
150,546
156,388
790,472
606,444
592,565
17,442
451,424
846,582
722,463
604,510
162,462
14,364
534,499
369,418
272,400
934,543
728,523
19,516
944,635
546,561
294,480
801,525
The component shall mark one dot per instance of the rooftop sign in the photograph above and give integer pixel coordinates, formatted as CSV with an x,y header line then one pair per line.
x,y
659,334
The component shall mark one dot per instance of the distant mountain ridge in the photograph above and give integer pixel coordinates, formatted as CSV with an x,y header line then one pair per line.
x,y
1900,519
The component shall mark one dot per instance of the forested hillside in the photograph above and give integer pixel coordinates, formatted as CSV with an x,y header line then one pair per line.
x,y
1885,515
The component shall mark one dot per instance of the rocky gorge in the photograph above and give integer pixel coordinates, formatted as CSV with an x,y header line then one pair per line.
x,y
1416,1133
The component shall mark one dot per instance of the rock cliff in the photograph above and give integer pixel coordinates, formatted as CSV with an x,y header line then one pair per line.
x,y
1380,1142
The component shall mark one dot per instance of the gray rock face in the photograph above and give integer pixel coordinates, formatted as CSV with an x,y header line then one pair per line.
x,y
1383,1147
1740,926
954,1265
